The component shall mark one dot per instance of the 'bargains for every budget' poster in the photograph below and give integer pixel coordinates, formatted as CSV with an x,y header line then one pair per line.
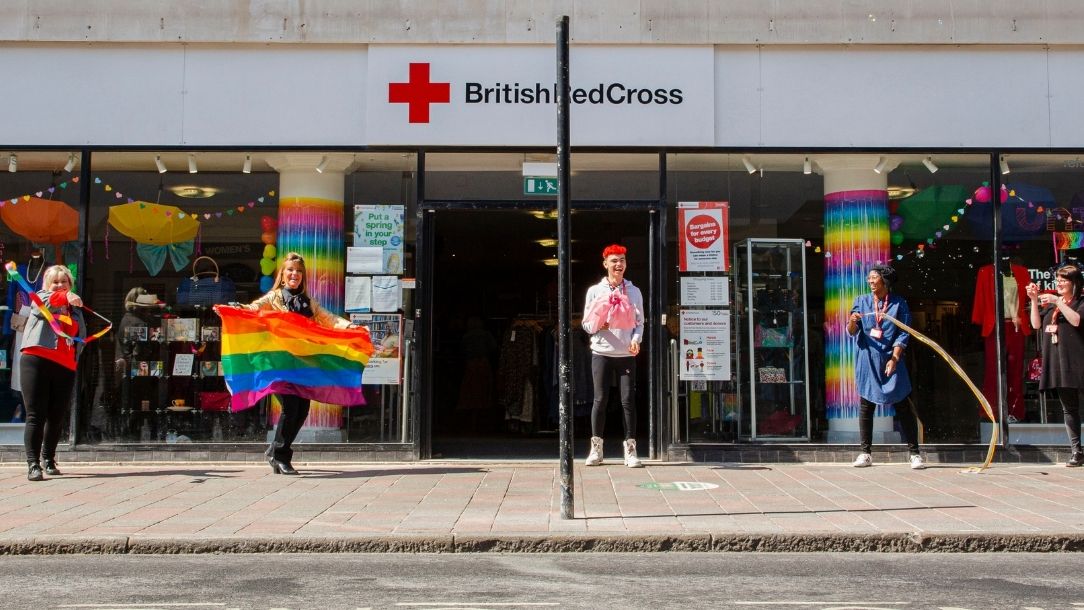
x,y
704,229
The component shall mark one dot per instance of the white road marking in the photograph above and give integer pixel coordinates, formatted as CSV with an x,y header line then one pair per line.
x,y
832,604
476,604
147,605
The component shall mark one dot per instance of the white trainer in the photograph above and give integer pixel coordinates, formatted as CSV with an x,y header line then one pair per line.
x,y
864,460
917,463
594,458
630,455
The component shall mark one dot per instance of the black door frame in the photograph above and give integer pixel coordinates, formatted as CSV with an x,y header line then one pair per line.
x,y
422,398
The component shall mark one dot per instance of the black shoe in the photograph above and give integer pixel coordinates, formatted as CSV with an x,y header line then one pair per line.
x,y
1076,460
33,472
280,467
51,469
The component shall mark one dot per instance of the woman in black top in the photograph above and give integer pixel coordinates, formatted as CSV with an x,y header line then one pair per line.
x,y
1062,339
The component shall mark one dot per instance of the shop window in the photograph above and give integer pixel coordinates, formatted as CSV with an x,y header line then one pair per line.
x,y
39,227
917,219
166,246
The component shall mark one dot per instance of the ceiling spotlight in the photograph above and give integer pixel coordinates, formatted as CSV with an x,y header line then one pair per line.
x,y
247,167
70,165
13,163
322,166
192,169
930,165
882,163
749,167
1003,163
158,163
807,167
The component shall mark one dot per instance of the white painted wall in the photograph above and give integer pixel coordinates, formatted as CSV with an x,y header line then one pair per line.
x,y
181,95
899,96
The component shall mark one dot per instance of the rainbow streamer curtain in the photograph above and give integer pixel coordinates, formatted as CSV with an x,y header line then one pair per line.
x,y
314,229
856,236
269,352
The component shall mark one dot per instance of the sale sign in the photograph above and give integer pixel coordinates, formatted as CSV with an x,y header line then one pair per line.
x,y
704,228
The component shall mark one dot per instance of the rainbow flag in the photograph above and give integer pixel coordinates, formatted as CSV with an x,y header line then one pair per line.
x,y
1068,240
270,352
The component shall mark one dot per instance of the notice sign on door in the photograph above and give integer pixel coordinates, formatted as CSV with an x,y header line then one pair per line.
x,y
705,345
704,229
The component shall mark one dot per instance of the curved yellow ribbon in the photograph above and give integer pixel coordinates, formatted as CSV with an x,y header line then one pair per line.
x,y
974,390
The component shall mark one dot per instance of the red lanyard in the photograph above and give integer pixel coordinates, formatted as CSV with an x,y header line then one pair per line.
x,y
878,311
1054,318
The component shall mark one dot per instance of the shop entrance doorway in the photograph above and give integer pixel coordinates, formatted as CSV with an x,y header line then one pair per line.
x,y
493,374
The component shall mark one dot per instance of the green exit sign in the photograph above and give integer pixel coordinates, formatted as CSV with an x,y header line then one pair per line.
x,y
533,185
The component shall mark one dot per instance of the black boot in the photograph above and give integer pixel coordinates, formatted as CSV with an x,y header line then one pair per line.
x,y
1076,459
50,468
33,472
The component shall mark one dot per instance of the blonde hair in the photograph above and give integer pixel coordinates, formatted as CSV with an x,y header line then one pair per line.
x,y
280,278
51,273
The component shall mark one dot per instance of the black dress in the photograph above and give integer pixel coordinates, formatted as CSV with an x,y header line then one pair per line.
x,y
1063,362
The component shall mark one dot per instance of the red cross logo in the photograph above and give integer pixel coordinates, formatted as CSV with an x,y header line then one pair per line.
x,y
419,93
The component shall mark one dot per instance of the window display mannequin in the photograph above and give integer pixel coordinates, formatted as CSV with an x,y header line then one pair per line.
x,y
19,309
141,310
1014,278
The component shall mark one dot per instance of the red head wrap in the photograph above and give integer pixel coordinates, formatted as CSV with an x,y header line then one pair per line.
x,y
613,249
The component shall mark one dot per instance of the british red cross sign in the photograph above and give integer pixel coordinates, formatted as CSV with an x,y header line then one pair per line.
x,y
506,95
418,93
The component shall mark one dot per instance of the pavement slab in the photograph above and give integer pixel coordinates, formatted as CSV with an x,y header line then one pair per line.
x,y
469,506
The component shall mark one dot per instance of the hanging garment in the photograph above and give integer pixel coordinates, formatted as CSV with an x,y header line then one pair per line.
x,y
517,355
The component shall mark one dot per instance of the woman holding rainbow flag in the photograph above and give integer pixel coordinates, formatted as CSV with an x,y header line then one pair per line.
x,y
47,368
289,294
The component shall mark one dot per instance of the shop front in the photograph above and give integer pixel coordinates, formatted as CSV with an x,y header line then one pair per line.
x,y
420,197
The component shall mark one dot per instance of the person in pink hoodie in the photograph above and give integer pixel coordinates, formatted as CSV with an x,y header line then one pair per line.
x,y
614,318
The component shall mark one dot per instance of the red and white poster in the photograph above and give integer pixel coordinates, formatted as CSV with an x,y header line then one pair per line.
x,y
704,229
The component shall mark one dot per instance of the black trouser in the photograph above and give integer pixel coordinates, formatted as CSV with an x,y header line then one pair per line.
x,y
47,392
602,370
1070,399
908,425
294,411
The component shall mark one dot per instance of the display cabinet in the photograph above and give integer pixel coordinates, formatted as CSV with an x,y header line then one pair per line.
x,y
172,387
771,346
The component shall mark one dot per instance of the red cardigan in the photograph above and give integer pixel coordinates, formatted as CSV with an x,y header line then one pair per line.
x,y
983,310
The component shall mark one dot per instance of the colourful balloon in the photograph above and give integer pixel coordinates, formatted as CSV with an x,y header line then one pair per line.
x,y
266,283
895,222
267,223
268,237
267,266
983,194
269,251
896,237
894,206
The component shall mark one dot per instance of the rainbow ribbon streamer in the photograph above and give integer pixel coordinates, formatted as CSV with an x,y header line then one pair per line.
x,y
13,274
959,371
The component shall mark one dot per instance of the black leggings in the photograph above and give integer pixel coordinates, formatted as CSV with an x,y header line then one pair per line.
x,y
294,411
602,369
908,425
1070,399
47,392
